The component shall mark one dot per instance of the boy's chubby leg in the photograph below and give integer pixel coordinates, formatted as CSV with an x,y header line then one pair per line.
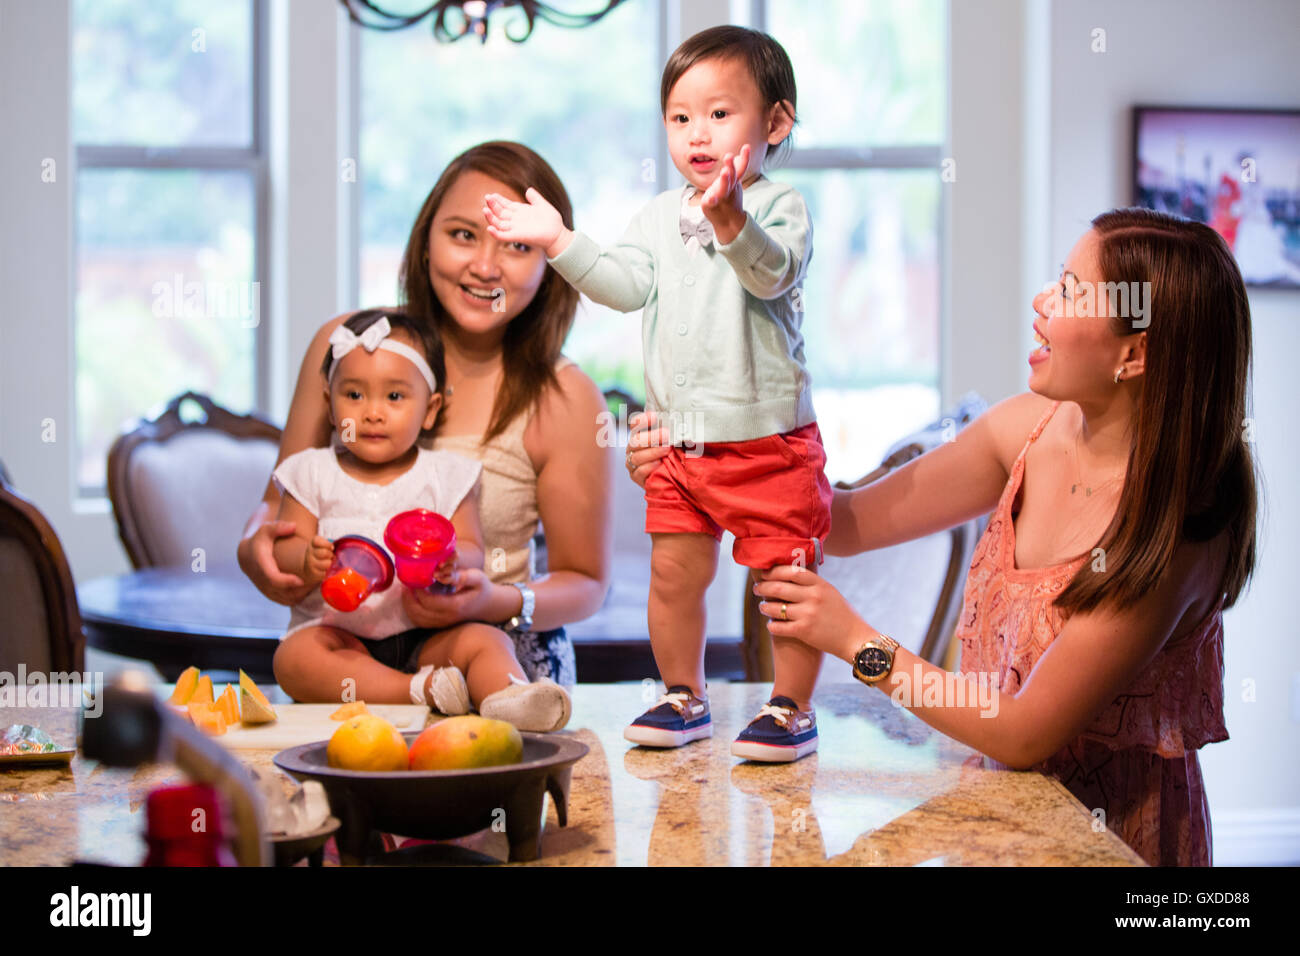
x,y
682,565
795,665
319,664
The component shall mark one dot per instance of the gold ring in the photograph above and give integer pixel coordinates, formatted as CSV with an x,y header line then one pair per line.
x,y
784,615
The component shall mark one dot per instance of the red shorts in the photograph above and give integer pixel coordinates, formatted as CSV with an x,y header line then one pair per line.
x,y
770,492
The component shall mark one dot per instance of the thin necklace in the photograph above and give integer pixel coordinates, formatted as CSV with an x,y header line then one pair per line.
x,y
1087,489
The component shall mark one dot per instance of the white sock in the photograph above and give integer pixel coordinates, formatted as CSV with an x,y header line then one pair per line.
x,y
418,680
543,706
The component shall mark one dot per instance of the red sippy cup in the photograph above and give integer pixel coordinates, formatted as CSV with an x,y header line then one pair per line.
x,y
420,541
360,568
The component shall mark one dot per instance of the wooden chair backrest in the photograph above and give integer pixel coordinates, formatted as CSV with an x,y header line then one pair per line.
x,y
128,509
41,621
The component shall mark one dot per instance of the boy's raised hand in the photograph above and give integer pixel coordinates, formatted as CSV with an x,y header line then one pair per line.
x,y
535,222
722,200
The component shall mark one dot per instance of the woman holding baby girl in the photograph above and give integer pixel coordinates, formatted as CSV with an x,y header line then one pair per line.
x,y
524,416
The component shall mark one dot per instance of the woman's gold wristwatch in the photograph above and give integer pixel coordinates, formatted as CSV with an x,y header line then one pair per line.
x,y
875,659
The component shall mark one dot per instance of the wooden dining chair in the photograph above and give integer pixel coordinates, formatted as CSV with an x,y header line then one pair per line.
x,y
911,591
40,626
181,487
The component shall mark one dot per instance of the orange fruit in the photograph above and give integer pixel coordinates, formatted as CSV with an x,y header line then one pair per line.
x,y
367,742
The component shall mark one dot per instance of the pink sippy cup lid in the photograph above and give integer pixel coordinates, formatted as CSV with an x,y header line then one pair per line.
x,y
421,534
364,544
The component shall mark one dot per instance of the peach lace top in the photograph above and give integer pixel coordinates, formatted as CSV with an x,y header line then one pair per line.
x,y
1137,759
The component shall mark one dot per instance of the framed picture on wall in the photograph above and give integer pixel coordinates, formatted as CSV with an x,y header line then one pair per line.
x,y
1237,170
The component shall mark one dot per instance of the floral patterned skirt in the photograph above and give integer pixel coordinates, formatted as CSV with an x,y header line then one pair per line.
x,y
547,654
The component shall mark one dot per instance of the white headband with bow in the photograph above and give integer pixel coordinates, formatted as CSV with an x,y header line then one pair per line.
x,y
344,340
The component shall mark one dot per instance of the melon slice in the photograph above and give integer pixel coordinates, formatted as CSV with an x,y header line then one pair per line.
x,y
185,685
228,704
207,716
355,709
202,691
253,705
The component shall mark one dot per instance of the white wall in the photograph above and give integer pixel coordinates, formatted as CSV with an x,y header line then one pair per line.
x,y
36,268
985,228
1205,53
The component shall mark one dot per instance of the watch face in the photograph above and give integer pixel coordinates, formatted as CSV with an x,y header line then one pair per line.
x,y
874,661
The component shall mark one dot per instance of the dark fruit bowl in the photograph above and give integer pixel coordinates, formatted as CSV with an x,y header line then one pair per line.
x,y
444,804
290,849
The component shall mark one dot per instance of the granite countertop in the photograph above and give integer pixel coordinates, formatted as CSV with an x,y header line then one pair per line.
x,y
883,789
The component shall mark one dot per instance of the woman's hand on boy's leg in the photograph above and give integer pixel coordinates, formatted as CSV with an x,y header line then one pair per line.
x,y
801,604
535,222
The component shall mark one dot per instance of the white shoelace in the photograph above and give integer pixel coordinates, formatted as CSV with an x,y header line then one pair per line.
x,y
781,714
675,699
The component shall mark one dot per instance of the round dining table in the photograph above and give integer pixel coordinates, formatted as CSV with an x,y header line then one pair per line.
x,y
175,617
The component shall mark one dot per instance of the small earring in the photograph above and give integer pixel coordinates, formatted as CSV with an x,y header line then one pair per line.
x,y
1119,374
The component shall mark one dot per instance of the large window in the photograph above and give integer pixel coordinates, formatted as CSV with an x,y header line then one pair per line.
x,y
587,100
871,77
166,117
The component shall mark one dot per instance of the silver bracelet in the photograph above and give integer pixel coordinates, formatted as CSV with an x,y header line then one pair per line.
x,y
523,621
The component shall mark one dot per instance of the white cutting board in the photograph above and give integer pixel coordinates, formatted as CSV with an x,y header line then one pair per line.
x,y
306,723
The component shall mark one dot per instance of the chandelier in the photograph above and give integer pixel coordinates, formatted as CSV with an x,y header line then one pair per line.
x,y
453,19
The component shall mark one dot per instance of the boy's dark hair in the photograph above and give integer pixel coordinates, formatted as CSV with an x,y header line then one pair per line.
x,y
766,60
426,339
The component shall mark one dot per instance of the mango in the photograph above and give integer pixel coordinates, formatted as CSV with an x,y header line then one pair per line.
x,y
462,743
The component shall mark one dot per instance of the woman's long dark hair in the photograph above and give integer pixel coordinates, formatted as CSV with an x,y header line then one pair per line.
x,y
1191,473
534,338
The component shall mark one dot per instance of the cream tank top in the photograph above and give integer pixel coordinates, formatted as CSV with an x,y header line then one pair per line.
x,y
507,498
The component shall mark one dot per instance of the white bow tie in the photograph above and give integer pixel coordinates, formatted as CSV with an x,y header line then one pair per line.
x,y
701,229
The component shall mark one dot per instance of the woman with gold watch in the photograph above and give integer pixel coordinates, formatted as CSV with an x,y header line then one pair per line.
x,y
1122,494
